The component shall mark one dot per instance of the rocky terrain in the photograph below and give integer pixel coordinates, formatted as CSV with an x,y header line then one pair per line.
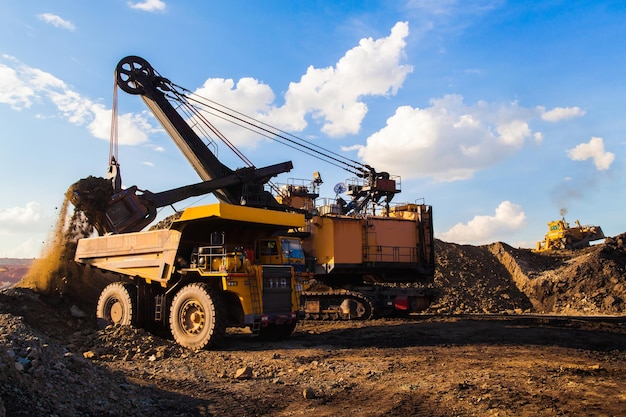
x,y
498,278
550,340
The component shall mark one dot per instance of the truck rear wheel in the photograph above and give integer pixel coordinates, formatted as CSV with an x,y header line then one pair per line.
x,y
197,317
116,305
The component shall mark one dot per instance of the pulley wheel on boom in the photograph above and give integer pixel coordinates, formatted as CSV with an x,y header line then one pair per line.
x,y
126,70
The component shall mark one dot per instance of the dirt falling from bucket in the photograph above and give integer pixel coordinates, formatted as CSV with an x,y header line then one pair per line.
x,y
55,272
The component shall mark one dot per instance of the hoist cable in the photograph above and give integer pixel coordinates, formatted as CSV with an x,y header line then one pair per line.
x,y
193,112
113,139
273,137
297,141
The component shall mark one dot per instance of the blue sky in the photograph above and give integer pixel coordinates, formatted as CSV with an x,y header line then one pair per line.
x,y
498,114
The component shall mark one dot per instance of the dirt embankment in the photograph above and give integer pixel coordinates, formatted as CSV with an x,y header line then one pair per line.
x,y
498,278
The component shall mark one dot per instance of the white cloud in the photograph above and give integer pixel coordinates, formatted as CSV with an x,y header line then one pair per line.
x,y
22,86
248,96
21,219
561,113
449,140
508,218
30,248
148,5
13,90
156,148
332,95
56,21
22,223
30,213
133,128
594,149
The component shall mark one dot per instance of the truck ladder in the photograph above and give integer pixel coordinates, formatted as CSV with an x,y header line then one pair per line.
x,y
255,300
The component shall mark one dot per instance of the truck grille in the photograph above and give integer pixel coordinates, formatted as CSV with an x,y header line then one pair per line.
x,y
277,289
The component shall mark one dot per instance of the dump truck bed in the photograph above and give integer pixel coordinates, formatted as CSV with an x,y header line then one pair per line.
x,y
149,255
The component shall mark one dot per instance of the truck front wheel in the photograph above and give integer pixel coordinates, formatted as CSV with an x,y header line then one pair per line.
x,y
116,305
197,317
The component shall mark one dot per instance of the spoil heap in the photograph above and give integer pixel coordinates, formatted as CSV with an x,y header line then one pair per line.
x,y
498,278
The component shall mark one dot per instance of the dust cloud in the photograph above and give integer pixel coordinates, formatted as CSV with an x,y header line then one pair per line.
x,y
55,273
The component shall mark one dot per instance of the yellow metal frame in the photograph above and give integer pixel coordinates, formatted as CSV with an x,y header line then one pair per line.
x,y
242,214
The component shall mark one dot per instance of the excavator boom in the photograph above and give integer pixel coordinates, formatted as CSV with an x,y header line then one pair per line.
x,y
128,211
136,76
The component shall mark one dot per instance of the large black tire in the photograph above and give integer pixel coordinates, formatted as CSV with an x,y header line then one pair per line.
x,y
198,317
116,305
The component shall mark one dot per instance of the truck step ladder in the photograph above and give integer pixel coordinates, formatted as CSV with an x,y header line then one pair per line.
x,y
256,302
159,305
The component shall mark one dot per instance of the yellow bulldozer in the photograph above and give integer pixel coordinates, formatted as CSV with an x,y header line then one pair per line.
x,y
561,236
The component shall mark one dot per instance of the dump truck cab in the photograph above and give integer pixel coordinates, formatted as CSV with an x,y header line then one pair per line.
x,y
282,250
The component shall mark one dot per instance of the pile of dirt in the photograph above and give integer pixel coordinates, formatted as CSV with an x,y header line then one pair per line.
x,y
591,282
473,280
498,278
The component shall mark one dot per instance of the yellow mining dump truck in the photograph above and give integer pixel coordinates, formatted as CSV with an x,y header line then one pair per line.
x,y
217,266
561,236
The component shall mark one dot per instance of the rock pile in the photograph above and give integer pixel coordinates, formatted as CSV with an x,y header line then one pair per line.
x,y
498,278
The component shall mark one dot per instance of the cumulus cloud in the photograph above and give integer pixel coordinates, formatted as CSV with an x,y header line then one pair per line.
x,y
30,248
30,213
13,91
22,222
148,5
156,148
56,21
594,149
22,86
449,140
133,128
561,113
248,96
332,96
508,218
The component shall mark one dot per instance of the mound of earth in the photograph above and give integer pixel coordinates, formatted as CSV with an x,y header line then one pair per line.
x,y
498,278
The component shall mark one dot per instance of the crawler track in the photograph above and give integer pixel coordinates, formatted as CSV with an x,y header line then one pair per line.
x,y
337,305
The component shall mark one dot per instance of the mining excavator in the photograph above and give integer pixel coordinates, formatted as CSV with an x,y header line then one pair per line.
x,y
561,236
363,257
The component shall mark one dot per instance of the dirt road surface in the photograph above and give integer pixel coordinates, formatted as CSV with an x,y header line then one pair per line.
x,y
54,362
